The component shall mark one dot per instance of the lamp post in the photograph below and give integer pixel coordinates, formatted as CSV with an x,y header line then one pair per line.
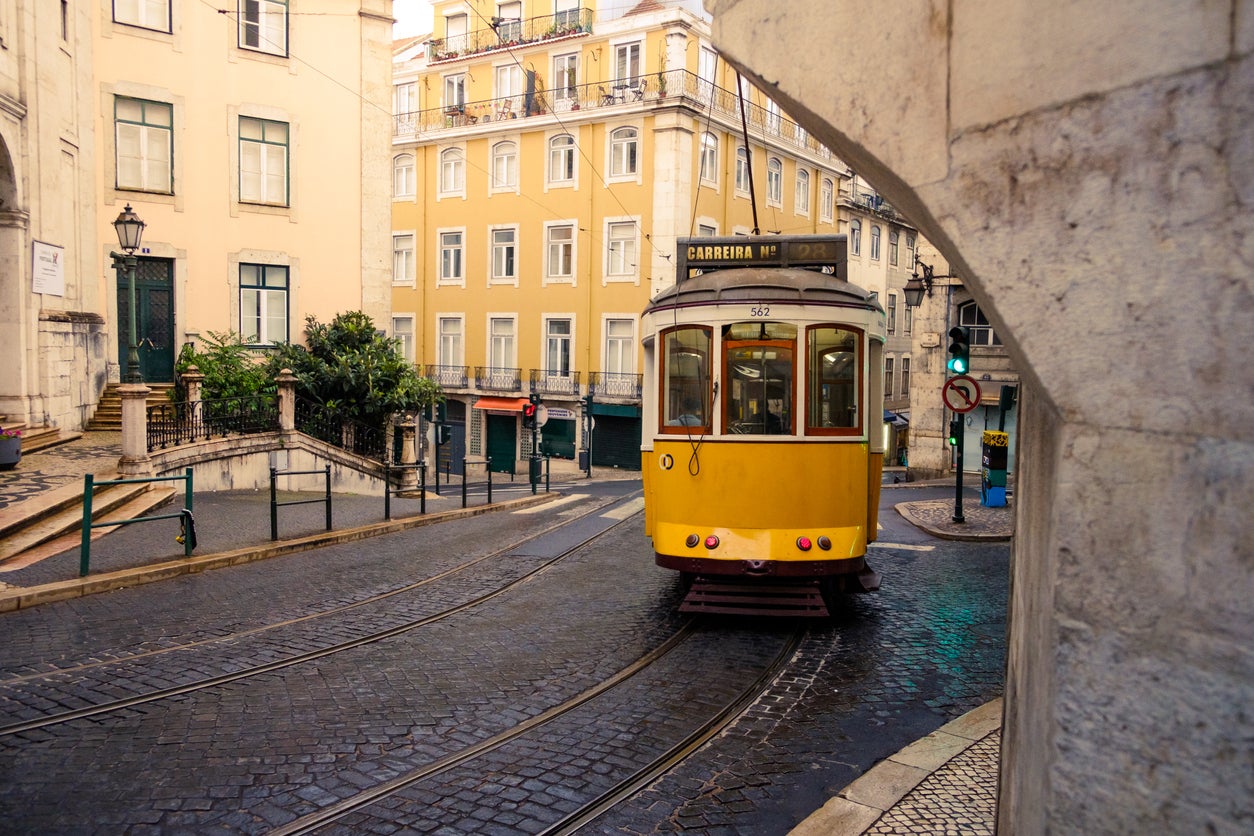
x,y
129,229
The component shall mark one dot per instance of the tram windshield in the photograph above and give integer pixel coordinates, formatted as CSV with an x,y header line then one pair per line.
x,y
759,358
833,364
686,379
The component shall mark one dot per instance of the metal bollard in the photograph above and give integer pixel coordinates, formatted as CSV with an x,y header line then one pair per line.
x,y
463,483
489,481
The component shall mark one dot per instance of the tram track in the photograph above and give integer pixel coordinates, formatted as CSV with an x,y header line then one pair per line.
x,y
204,683
328,818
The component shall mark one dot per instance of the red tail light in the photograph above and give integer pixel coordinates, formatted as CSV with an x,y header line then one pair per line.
x,y
711,542
804,543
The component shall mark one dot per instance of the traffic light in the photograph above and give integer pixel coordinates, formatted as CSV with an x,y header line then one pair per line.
x,y
955,427
529,415
586,403
959,350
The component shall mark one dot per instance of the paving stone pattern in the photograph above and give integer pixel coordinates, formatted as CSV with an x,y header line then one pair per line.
x,y
959,799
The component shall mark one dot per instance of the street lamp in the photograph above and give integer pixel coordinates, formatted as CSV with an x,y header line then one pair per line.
x,y
920,283
129,229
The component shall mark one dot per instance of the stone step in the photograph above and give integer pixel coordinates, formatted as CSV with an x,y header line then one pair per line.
x,y
34,522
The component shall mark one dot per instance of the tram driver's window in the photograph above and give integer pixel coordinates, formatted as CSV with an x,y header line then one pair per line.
x,y
833,386
686,380
758,390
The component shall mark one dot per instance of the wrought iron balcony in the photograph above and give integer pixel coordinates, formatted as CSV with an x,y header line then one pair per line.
x,y
496,379
507,34
449,377
549,382
617,386
569,102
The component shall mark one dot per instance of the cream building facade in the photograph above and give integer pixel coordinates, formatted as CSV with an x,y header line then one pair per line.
x,y
547,158
250,140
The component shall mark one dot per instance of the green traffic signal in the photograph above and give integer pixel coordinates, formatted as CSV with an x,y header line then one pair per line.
x,y
955,427
959,350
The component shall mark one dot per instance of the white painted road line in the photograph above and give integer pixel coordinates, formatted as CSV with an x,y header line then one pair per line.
x,y
625,510
549,506
906,546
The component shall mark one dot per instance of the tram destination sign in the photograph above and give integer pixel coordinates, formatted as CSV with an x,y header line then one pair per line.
x,y
725,252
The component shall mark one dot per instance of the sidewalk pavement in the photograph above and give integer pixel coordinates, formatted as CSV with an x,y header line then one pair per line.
x,y
944,783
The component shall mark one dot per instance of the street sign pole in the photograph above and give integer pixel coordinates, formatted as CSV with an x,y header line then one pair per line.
x,y
962,432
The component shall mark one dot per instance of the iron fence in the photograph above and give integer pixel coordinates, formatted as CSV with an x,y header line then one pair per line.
x,y
354,436
185,422
615,385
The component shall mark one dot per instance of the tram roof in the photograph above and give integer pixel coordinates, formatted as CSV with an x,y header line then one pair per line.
x,y
785,285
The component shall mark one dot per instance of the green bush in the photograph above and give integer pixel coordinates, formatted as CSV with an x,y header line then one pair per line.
x,y
229,367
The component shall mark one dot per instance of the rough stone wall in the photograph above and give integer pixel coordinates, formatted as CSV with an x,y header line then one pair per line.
x,y
1089,171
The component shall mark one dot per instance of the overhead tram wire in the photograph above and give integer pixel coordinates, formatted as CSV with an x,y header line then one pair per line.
x,y
744,131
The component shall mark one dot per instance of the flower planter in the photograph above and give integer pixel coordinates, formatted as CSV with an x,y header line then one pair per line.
x,y
10,453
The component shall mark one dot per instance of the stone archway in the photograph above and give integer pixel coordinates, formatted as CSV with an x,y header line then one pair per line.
x,y
1089,172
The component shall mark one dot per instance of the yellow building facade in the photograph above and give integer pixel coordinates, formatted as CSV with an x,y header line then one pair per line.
x,y
547,157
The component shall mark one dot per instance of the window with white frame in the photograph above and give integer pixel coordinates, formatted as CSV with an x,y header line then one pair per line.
x,y
827,199
505,165
402,258
403,183
742,170
624,145
566,76
452,245
405,98
801,199
981,331
910,250
504,246
855,237
888,376
892,313
263,290
774,182
908,320
709,158
621,249
627,64
557,347
905,377
149,14
510,16
707,69
892,247
560,251
875,242
620,354
501,342
263,161
509,84
452,171
263,25
773,118
455,92
562,159
706,231
566,12
403,332
449,350
145,153
456,28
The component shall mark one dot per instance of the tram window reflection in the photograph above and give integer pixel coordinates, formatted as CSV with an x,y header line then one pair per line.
x,y
833,388
686,379
759,364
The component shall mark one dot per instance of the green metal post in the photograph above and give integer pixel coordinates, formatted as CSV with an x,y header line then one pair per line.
x,y
84,552
187,503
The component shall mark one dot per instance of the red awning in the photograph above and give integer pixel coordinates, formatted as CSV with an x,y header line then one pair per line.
x,y
504,404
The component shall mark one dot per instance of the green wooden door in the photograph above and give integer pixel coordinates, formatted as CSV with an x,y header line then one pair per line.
x,y
154,327
502,446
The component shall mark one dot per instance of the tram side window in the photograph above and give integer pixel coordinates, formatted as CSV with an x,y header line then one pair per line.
x,y
686,379
834,385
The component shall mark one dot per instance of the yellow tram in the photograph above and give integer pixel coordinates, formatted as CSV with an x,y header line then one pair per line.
x,y
762,443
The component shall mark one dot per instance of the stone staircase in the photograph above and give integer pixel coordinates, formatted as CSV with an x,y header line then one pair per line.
x,y
108,414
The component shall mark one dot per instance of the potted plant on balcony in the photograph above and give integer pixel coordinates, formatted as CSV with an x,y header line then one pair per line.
x,y
10,448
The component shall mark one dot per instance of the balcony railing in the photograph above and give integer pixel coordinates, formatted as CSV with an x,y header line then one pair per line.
x,y
614,385
508,34
548,382
449,377
672,87
495,379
